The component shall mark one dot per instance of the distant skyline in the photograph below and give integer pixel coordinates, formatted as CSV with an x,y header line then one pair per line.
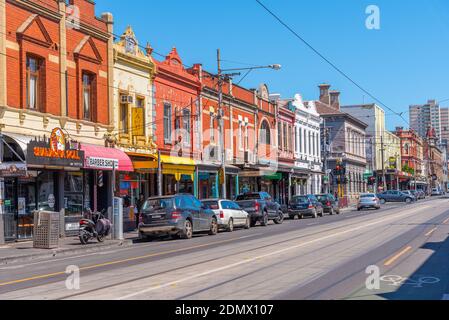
x,y
403,63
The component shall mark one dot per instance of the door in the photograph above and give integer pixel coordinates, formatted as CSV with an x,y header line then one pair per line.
x,y
239,214
271,205
10,207
203,214
186,205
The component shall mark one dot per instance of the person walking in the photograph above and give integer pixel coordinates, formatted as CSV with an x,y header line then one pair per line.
x,y
139,206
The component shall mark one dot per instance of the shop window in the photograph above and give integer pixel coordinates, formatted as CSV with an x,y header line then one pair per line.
x,y
46,192
34,67
73,194
88,96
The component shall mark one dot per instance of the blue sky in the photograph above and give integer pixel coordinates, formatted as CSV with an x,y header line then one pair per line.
x,y
405,62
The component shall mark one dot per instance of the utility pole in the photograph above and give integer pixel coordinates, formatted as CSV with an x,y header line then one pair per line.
x,y
221,125
382,149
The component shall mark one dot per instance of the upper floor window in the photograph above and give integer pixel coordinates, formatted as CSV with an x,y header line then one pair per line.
x,y
186,125
167,122
124,118
280,136
88,96
34,82
284,132
240,136
265,133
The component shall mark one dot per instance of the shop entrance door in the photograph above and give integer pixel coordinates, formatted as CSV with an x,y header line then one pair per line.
x,y
11,214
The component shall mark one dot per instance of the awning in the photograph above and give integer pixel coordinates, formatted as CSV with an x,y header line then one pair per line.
x,y
21,140
178,166
102,158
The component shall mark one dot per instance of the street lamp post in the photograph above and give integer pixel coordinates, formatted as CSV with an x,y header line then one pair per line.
x,y
221,78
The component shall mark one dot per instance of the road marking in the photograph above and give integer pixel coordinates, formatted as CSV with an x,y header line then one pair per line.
x,y
446,221
44,276
431,231
397,256
230,266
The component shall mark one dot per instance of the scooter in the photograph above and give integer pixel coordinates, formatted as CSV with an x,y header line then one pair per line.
x,y
94,225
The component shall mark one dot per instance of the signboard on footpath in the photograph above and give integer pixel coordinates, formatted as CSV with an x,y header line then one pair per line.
x,y
54,152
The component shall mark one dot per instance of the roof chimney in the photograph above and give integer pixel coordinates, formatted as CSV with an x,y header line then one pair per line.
x,y
324,93
335,99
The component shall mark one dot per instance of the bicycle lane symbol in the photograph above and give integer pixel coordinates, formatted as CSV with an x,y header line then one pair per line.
x,y
415,282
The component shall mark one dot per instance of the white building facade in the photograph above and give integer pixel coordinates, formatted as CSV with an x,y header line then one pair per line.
x,y
307,148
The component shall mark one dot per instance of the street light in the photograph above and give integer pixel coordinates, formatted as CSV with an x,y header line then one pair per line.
x,y
221,78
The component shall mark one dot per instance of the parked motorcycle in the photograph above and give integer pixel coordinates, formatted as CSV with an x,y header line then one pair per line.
x,y
94,225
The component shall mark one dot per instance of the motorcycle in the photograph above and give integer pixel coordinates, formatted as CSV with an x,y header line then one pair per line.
x,y
94,225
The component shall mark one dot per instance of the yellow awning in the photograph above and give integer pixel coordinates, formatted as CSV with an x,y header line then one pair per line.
x,y
177,160
145,165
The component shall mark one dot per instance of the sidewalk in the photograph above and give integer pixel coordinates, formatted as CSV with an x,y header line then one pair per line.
x,y
24,251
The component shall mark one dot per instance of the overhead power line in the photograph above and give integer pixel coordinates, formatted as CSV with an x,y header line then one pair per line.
x,y
334,66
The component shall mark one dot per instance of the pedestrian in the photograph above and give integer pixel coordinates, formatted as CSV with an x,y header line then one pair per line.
x,y
139,206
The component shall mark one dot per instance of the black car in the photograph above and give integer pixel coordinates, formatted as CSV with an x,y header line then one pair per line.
x,y
180,215
261,208
307,205
330,204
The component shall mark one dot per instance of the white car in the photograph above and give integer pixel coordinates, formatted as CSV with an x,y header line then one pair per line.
x,y
229,214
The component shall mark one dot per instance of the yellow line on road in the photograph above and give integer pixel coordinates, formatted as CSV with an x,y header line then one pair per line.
x,y
446,221
431,231
44,276
397,256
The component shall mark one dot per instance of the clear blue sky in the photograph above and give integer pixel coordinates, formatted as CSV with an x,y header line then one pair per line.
x,y
405,62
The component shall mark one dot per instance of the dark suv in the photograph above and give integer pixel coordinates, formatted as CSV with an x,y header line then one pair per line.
x,y
330,204
179,215
308,205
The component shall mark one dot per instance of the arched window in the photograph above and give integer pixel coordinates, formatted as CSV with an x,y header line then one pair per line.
x,y
406,148
265,133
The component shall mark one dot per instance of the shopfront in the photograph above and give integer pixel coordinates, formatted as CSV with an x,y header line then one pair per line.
x,y
208,182
102,166
178,175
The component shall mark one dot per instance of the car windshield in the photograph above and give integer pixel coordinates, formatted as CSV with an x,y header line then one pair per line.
x,y
368,195
322,197
211,204
300,199
248,196
157,204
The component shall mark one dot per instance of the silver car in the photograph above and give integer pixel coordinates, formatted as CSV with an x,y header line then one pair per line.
x,y
368,200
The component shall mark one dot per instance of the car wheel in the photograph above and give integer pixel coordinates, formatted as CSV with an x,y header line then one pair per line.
x,y
408,200
292,217
315,214
322,213
280,218
213,227
230,227
383,201
248,223
187,233
253,223
359,209
264,221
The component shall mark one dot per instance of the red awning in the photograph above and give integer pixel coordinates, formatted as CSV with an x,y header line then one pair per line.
x,y
102,158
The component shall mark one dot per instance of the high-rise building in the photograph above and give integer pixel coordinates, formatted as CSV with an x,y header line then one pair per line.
x,y
444,114
425,116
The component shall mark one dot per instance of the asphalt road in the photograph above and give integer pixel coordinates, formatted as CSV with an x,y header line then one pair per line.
x,y
323,258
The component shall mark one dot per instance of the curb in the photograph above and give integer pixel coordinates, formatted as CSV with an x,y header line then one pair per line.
x,y
52,253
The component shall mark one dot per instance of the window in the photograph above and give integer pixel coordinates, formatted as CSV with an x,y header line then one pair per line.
x,y
246,138
240,137
296,139
300,140
167,122
310,143
33,85
124,118
280,136
265,134
88,94
284,132
290,138
186,125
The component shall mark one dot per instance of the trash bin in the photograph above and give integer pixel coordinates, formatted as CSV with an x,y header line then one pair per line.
x,y
46,230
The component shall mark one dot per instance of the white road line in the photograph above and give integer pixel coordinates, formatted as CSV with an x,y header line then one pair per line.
x,y
230,266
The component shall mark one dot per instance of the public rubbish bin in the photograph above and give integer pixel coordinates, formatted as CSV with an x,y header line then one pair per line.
x,y
46,230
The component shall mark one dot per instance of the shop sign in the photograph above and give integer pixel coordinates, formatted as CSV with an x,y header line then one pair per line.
x,y
54,152
13,169
392,161
101,163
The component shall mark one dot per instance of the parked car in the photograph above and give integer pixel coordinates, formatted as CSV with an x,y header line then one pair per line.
x,y
367,201
436,192
411,194
261,208
419,194
179,215
308,205
229,214
394,196
330,204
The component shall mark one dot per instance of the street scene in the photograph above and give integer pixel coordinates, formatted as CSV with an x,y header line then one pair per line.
x,y
139,164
